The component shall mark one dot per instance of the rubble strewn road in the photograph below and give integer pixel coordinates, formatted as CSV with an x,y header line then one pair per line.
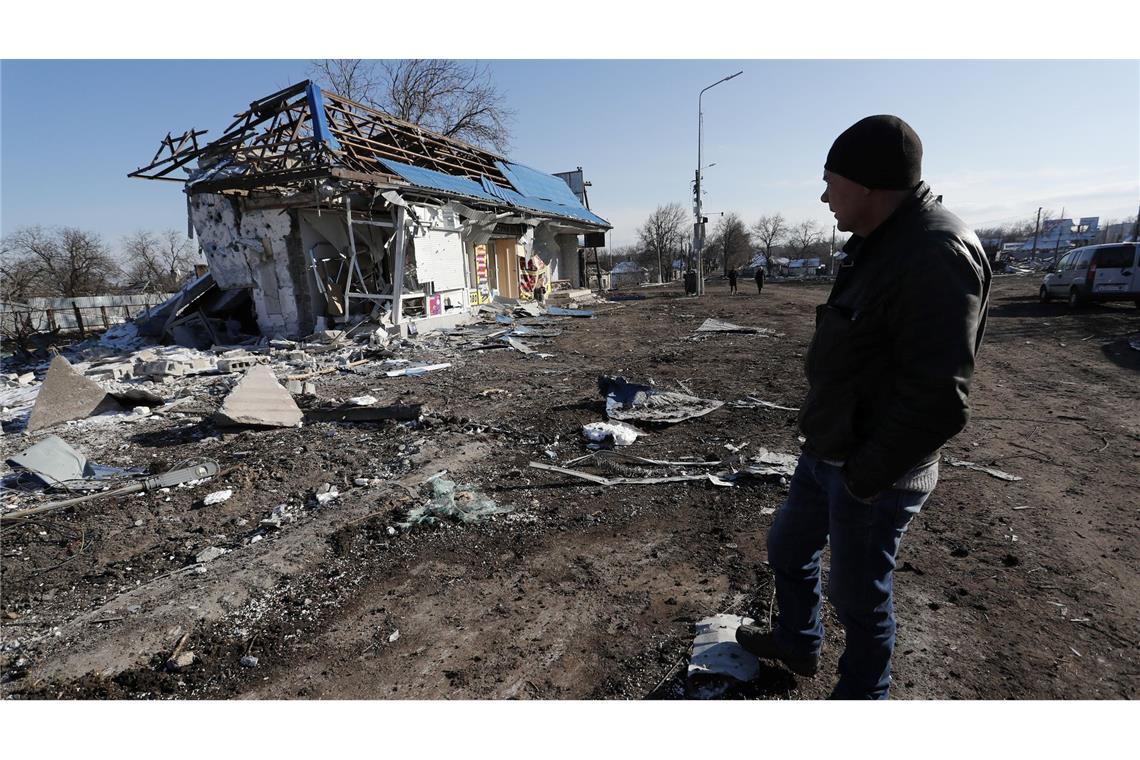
x,y
301,585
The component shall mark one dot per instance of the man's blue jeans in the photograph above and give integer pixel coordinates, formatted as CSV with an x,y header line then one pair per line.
x,y
864,543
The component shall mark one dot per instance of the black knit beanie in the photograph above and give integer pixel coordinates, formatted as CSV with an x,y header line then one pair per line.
x,y
879,152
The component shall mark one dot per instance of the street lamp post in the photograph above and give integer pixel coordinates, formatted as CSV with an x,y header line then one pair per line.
x,y
698,238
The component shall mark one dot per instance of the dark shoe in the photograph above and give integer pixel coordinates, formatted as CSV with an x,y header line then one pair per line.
x,y
762,645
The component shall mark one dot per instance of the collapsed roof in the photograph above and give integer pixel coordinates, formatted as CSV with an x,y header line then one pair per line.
x,y
302,137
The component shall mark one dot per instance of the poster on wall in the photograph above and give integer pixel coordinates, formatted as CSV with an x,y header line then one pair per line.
x,y
481,282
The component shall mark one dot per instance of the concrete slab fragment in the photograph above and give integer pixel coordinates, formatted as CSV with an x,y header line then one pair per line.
x,y
68,395
259,400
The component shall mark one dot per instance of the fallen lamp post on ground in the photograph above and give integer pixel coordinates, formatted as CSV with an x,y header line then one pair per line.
x,y
204,469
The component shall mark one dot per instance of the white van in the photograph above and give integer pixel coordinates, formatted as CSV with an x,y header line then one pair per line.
x,y
1109,272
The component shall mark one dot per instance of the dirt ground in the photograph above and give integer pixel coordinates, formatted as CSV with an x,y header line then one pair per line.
x,y
1025,590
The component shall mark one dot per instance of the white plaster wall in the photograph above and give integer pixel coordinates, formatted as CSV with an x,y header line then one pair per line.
x,y
546,247
439,253
568,258
252,254
274,292
216,225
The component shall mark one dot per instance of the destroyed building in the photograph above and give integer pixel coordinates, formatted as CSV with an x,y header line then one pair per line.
x,y
325,212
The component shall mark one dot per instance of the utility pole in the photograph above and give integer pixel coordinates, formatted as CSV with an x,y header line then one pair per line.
x,y
1033,256
833,250
698,226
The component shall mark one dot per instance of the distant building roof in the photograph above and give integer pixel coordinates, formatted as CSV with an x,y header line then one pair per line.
x,y
627,267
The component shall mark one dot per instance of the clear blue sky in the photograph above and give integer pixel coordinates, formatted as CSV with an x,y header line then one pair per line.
x,y
1001,138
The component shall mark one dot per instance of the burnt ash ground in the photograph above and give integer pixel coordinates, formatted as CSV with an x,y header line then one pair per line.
x,y
1022,589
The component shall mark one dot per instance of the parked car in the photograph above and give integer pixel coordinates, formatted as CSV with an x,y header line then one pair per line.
x,y
1095,273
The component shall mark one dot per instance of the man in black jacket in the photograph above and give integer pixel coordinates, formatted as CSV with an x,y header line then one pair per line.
x,y
888,372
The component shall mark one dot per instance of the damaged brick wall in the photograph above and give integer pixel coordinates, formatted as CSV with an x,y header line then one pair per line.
x,y
251,249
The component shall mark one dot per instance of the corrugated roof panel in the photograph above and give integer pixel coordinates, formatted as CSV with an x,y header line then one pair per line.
x,y
491,188
434,180
535,184
486,190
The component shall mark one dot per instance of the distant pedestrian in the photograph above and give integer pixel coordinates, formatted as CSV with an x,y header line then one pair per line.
x,y
732,282
888,373
759,280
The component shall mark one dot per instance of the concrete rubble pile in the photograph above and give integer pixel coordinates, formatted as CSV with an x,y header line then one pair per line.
x,y
126,377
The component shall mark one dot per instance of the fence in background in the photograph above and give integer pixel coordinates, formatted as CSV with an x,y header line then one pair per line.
x,y
76,314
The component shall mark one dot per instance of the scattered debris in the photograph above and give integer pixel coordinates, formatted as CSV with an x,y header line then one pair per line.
x,y
526,331
716,325
326,493
558,311
518,345
398,412
416,370
217,497
54,462
715,480
178,658
282,515
259,400
617,432
205,469
642,403
604,455
67,395
181,661
179,365
764,464
455,502
209,554
1000,474
248,661
715,651
751,402
365,400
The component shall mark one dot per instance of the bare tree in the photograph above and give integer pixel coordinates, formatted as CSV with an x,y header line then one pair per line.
x,y
352,78
21,277
803,237
458,99
661,234
733,240
620,253
158,263
770,231
66,262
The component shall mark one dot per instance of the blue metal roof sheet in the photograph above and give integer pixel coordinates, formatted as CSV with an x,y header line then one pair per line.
x,y
433,180
486,190
535,184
